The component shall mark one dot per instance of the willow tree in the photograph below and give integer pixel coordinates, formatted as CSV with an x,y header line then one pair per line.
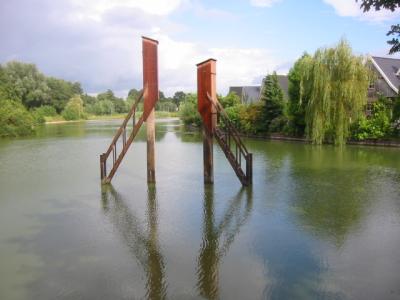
x,y
337,83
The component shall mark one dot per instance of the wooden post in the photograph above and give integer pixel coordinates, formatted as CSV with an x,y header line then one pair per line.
x,y
150,87
206,84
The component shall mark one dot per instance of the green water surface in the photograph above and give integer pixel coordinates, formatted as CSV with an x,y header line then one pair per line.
x,y
318,223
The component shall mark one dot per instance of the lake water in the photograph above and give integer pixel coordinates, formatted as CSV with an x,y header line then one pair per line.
x,y
318,223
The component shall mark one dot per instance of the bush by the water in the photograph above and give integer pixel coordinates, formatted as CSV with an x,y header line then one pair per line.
x,y
188,111
15,119
40,113
74,109
375,126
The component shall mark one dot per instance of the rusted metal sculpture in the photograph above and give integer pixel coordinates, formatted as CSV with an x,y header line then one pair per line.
x,y
226,135
150,81
206,72
150,95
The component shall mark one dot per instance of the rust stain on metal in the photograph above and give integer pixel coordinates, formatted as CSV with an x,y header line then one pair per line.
x,y
206,72
150,75
206,76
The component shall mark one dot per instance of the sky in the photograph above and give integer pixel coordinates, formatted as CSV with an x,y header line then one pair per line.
x,y
98,42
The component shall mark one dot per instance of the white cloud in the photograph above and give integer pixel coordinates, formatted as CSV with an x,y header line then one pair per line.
x,y
264,3
94,9
242,66
235,66
106,53
350,8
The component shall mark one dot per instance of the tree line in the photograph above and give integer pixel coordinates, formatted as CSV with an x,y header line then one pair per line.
x,y
28,98
327,102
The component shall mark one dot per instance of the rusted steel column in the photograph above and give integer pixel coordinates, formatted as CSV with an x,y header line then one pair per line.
x,y
206,84
150,86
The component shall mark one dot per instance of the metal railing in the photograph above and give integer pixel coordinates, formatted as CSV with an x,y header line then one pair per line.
x,y
229,139
120,134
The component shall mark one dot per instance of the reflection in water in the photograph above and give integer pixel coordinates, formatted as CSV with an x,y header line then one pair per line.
x,y
143,244
218,237
329,212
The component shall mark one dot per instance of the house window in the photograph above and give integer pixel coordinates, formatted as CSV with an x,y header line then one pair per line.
x,y
371,85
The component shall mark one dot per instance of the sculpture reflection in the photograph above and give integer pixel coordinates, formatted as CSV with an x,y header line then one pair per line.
x,y
218,237
143,244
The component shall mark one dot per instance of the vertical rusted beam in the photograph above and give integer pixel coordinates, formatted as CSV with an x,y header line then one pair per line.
x,y
206,84
150,86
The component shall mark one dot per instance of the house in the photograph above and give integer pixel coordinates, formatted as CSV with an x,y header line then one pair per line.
x,y
247,94
251,94
387,79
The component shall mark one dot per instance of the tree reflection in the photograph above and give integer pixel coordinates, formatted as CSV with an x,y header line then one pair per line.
x,y
143,244
331,192
218,237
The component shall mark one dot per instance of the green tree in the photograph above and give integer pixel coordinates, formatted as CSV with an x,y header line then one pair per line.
x,y
74,109
88,100
29,86
3,92
298,96
166,105
161,96
230,100
272,97
338,82
60,91
392,5
178,98
119,105
132,96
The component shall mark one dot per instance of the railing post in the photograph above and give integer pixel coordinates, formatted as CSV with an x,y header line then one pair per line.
x,y
150,86
206,84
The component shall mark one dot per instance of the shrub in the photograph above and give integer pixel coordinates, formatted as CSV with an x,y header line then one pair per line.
x,y
252,118
74,109
188,111
278,124
376,126
234,114
41,112
15,120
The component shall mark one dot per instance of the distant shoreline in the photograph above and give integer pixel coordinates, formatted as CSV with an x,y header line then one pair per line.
x,y
160,115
